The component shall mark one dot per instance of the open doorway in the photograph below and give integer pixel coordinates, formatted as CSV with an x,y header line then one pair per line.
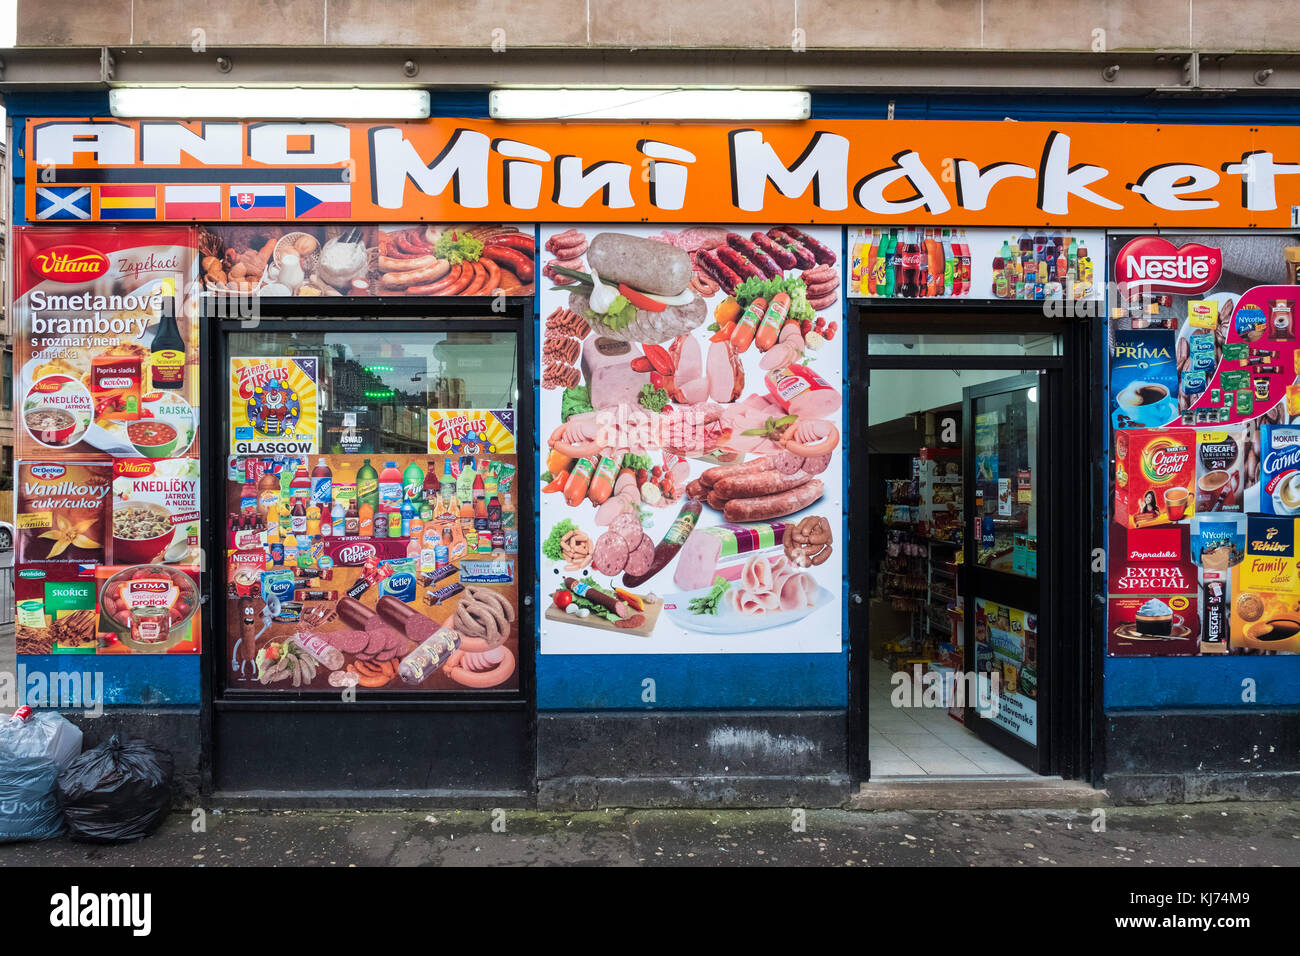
x,y
960,504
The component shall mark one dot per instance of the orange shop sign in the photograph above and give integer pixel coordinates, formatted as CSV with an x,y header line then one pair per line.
x,y
849,171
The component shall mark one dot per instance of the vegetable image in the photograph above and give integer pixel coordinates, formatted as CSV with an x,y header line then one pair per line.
x,y
708,604
457,247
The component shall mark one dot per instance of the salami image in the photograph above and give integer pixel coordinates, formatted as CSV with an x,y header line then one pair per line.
x,y
692,406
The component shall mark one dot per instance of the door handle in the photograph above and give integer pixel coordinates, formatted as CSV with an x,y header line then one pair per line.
x,y
856,597
528,600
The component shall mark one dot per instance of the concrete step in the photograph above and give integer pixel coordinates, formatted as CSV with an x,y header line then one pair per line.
x,y
976,793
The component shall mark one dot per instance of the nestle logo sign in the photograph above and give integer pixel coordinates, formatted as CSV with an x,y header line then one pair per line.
x,y
1154,264
69,264
48,472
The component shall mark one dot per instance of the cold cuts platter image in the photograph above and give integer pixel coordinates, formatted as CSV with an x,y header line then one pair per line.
x,y
691,406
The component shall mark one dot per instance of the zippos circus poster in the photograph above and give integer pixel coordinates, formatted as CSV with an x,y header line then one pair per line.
x,y
273,406
471,431
691,488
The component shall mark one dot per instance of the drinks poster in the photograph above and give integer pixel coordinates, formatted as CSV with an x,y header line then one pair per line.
x,y
1205,439
691,489
375,572
273,405
105,343
902,262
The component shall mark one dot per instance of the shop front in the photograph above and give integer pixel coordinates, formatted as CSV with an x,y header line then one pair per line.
x,y
620,463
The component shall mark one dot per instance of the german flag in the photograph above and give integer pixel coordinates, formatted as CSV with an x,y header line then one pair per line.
x,y
128,202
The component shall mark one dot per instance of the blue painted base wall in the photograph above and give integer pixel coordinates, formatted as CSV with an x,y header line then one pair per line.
x,y
155,680
1162,683
706,681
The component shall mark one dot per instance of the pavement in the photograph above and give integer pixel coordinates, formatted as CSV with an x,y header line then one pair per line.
x,y
1239,834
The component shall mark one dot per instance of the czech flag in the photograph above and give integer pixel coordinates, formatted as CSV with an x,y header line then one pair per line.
x,y
192,202
257,202
322,201
128,202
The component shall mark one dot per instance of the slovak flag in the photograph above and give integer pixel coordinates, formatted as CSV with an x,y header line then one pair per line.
x,y
332,201
257,202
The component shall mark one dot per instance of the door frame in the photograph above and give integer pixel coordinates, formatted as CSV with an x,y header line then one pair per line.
x,y
378,315
1074,732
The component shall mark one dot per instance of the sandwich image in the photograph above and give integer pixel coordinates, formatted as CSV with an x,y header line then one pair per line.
x,y
638,290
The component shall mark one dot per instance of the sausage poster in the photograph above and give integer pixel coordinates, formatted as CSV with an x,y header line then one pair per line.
x,y
692,407
338,259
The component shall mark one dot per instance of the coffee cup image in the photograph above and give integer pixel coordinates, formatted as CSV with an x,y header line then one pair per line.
x,y
1155,618
1216,489
1150,404
1176,503
1286,494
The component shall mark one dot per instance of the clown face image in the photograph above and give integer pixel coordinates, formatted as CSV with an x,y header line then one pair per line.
x,y
270,409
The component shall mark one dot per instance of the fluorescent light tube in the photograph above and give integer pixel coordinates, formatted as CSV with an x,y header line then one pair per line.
x,y
246,102
519,104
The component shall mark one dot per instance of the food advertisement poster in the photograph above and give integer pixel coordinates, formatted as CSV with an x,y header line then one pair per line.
x,y
273,405
425,259
1205,435
691,497
919,262
377,572
107,363
107,485
1006,644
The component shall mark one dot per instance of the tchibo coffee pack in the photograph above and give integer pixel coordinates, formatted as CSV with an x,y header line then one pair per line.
x,y
1155,476
1265,609
1219,463
1279,469
1143,378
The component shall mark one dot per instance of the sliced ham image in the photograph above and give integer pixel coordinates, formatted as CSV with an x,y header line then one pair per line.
x,y
768,584
725,373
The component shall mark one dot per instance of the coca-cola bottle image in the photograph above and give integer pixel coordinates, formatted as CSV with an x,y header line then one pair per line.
x,y
907,267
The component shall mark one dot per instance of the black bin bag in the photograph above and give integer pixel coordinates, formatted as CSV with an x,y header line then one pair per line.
x,y
118,791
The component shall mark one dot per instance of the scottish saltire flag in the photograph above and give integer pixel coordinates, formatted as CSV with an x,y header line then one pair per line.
x,y
257,202
62,202
128,202
322,201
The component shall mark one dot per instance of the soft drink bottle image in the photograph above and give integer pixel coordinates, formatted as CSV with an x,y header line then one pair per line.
x,y
869,269
886,274
948,263
922,265
909,266
934,263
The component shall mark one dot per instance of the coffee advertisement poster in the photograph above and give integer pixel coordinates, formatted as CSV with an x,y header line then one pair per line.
x,y
1204,413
